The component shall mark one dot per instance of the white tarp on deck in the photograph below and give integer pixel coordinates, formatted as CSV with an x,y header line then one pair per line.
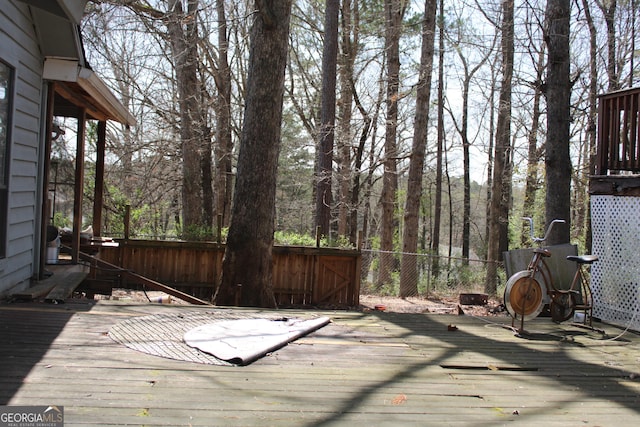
x,y
243,341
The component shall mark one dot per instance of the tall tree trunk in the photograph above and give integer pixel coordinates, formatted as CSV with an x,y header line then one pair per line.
x,y
247,265
466,162
324,198
463,130
609,8
593,111
224,143
501,186
533,152
450,199
206,177
371,156
437,210
408,266
354,23
558,161
394,11
350,26
184,42
490,152
369,128
355,186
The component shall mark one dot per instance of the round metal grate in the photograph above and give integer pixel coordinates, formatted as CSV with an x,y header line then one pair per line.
x,y
162,334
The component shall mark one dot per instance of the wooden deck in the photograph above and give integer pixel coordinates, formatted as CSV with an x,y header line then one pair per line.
x,y
363,369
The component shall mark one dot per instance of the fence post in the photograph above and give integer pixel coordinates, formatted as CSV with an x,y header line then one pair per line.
x,y
317,236
127,218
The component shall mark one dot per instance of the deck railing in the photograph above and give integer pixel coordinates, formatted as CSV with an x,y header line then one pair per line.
x,y
618,132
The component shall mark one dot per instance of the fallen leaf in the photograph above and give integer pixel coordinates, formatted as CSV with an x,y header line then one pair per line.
x,y
399,399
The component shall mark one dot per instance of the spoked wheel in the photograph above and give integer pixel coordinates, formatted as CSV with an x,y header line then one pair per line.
x,y
523,296
562,306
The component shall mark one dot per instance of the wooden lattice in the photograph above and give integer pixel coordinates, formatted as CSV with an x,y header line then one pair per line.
x,y
615,277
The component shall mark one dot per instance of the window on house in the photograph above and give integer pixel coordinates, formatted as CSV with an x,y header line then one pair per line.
x,y
6,89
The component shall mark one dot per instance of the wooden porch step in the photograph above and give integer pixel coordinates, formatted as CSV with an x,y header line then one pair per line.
x,y
55,288
65,286
34,292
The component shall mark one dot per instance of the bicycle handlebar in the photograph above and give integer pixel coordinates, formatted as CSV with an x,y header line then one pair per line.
x,y
546,235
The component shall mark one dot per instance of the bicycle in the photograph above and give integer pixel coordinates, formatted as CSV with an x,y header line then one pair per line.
x,y
525,290
564,303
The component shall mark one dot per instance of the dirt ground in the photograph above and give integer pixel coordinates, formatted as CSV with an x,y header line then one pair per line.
x,y
443,305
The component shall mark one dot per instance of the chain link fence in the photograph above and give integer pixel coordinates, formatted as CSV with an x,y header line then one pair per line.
x,y
425,275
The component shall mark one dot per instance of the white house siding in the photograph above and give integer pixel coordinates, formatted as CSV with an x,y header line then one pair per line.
x,y
19,48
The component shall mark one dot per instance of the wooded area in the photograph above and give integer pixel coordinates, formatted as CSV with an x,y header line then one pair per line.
x,y
510,131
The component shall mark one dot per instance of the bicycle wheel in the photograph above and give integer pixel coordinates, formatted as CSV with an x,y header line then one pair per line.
x,y
562,306
523,296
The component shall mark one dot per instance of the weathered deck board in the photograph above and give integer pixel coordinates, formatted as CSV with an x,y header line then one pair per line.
x,y
34,292
58,286
363,369
65,286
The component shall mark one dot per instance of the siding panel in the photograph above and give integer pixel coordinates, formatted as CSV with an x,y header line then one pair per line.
x,y
19,48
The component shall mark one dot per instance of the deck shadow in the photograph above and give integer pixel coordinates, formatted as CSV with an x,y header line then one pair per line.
x,y
27,332
556,362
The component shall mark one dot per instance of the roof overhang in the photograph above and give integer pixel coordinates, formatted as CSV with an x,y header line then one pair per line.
x,y
56,23
80,87
57,26
68,9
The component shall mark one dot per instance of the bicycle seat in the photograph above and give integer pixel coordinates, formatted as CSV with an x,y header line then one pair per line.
x,y
541,251
584,259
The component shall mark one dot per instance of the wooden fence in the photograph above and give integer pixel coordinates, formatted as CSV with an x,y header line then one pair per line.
x,y
302,276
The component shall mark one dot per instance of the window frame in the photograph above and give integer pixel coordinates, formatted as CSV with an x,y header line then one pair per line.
x,y
6,156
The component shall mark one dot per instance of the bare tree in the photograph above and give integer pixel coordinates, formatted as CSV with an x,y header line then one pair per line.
x,y
394,11
326,134
437,211
183,35
498,238
592,111
181,21
149,183
462,126
247,266
224,141
349,39
408,267
534,152
609,9
558,160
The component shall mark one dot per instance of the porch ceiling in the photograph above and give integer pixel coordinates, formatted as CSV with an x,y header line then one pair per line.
x,y
90,93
